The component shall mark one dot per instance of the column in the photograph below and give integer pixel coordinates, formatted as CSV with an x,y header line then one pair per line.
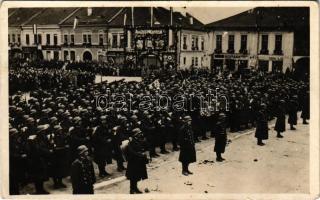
x,y
270,66
129,39
170,38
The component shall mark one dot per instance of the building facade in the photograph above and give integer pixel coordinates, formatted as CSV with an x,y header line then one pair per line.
x,y
270,39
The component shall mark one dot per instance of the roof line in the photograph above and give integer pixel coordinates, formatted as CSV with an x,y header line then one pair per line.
x,y
66,18
13,12
113,17
32,17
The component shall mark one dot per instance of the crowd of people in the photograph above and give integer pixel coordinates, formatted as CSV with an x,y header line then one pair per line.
x,y
53,133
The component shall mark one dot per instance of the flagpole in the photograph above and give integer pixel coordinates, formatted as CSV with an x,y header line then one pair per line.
x,y
151,16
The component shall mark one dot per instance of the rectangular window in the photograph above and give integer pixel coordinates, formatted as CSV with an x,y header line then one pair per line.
x,y
19,38
121,41
35,39
218,42
56,55
196,43
100,39
89,38
184,44
65,55
231,43
65,39
9,38
184,60
13,38
114,40
27,39
202,44
84,39
264,43
193,42
278,45
72,39
192,61
72,55
196,61
48,55
55,39
48,39
39,39
243,45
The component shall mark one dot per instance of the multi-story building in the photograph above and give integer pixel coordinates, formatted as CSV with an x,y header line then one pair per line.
x,y
265,38
259,38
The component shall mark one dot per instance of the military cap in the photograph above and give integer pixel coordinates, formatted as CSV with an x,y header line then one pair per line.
x,y
77,119
41,128
187,118
30,120
53,119
136,131
81,149
13,131
57,127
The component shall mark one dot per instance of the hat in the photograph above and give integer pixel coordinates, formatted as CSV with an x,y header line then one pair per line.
x,y
77,119
81,149
136,131
187,118
57,127
13,131
30,120
41,128
102,118
53,119
134,117
115,128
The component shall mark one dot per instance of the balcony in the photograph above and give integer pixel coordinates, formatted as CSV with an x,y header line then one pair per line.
x,y
264,51
218,51
243,51
184,47
277,52
230,51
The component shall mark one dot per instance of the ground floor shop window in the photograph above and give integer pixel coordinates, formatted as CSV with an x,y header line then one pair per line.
x,y
263,65
277,66
231,64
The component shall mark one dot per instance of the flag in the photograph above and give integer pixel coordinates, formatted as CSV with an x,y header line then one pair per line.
x,y
75,22
132,17
151,16
171,17
34,29
155,84
124,19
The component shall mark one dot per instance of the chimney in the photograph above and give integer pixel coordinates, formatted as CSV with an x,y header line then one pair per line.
x,y
191,20
89,11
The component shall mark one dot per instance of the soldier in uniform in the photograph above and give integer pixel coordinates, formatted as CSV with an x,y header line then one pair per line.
x,y
17,161
102,146
137,160
187,145
305,114
82,173
281,119
292,110
60,157
220,137
116,140
262,125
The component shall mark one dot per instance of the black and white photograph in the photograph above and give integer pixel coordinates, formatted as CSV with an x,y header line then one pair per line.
x,y
184,98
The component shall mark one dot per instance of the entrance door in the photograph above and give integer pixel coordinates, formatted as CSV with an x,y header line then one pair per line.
x,y
87,56
277,66
231,64
151,61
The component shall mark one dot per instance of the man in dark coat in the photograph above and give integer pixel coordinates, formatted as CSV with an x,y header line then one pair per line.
x,y
60,159
305,114
102,144
82,173
220,137
137,160
39,154
292,110
116,140
262,125
281,119
17,161
187,145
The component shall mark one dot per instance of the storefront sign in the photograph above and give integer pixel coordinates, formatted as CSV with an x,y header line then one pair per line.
x,y
149,32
